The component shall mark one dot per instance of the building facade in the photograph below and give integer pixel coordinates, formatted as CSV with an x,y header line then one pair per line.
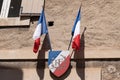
x,y
98,58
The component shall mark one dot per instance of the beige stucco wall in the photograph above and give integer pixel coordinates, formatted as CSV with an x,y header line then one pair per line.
x,y
100,46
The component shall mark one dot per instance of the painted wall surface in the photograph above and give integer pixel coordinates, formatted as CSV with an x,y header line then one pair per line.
x,y
100,42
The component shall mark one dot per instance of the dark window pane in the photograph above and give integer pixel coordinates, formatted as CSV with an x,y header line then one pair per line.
x,y
1,1
14,8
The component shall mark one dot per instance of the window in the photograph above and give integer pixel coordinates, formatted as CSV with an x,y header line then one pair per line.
x,y
9,8
5,8
9,13
1,1
14,8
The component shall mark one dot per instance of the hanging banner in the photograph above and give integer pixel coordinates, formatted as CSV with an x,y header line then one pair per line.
x,y
58,62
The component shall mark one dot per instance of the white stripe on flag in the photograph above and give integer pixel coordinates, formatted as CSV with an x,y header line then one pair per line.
x,y
37,32
77,29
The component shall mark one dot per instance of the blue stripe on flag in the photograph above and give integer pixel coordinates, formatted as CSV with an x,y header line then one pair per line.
x,y
77,19
53,55
42,21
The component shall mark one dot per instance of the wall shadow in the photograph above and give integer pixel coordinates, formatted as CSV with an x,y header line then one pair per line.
x,y
41,57
80,58
7,73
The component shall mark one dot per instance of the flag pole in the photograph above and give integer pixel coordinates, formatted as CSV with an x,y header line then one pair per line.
x,y
43,5
70,42
47,27
49,42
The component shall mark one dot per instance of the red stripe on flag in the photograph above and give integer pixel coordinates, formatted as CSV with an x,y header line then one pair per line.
x,y
76,42
63,67
36,45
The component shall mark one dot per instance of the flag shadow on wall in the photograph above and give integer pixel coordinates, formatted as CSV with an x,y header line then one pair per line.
x,y
80,58
41,57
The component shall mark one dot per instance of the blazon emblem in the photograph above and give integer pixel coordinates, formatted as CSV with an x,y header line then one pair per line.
x,y
58,62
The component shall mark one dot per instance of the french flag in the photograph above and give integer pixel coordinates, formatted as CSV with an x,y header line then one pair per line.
x,y
39,31
76,33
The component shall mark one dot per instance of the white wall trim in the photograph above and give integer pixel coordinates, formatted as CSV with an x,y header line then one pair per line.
x,y
5,8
